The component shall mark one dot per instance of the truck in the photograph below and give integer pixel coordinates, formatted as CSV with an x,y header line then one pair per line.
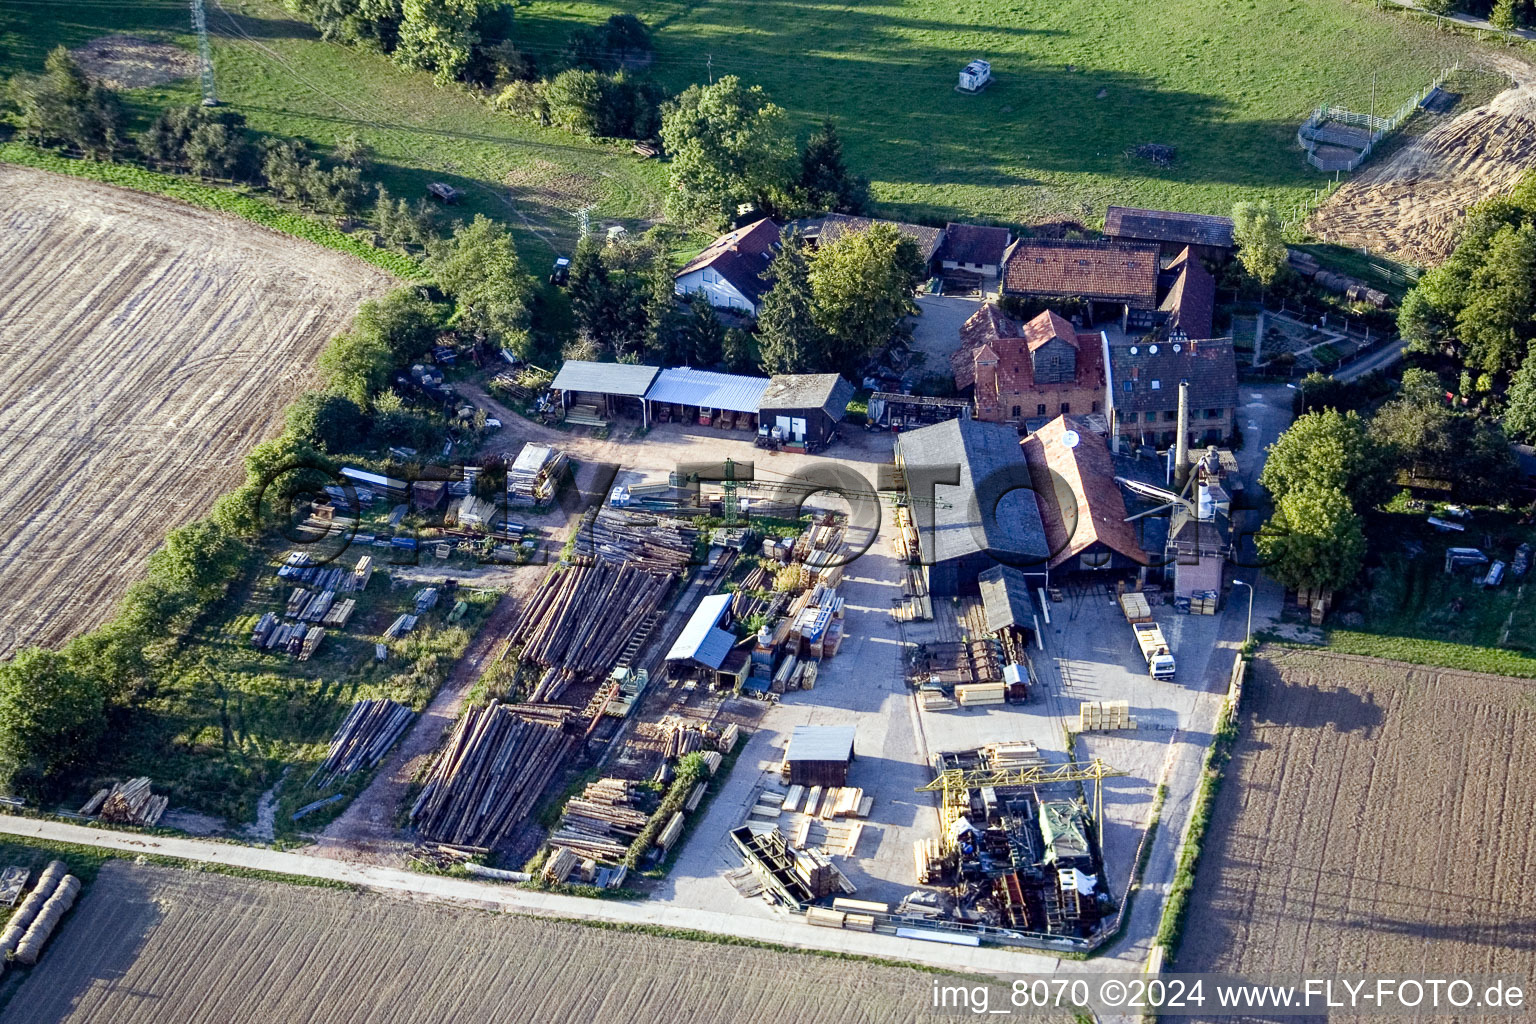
x,y
1149,637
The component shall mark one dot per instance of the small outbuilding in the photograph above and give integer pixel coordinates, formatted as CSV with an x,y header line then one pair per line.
x,y
704,644
975,76
804,408
819,755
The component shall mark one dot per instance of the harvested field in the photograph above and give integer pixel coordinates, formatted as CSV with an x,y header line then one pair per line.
x,y
1375,818
153,944
146,347
1411,205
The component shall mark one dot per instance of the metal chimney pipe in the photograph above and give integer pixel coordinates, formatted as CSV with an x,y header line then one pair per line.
x,y
1181,446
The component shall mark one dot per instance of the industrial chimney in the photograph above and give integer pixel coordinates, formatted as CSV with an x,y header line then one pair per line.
x,y
1181,446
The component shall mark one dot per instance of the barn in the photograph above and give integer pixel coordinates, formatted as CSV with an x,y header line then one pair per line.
x,y
1207,236
1113,278
1080,501
819,755
805,408
593,393
989,517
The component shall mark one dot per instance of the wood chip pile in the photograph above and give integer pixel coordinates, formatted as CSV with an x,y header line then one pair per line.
x,y
362,739
127,803
489,776
602,822
577,624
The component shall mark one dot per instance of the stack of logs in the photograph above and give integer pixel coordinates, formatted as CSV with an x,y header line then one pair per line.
x,y
683,737
34,921
489,776
616,535
368,731
577,624
602,822
127,803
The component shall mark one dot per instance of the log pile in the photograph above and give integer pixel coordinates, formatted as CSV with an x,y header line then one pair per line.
x,y
618,535
362,739
576,626
489,776
128,803
602,822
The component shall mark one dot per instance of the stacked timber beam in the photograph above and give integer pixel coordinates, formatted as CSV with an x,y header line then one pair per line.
x,y
577,624
368,731
602,822
127,803
617,535
489,776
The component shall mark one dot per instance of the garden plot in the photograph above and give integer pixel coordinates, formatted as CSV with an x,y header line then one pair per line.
x,y
147,346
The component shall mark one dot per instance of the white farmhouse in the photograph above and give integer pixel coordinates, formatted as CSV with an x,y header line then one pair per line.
x,y
730,272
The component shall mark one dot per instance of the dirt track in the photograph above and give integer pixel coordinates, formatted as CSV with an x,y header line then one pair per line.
x,y
1375,818
1410,206
145,346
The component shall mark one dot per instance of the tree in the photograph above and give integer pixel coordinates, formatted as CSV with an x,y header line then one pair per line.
x,y
1520,415
1434,442
1498,318
728,145
200,558
825,183
330,421
357,364
862,284
620,41
438,36
702,335
614,294
789,336
405,320
1260,240
576,101
1314,539
1439,8
1504,16
479,268
51,719
64,107
374,24
1331,450
211,142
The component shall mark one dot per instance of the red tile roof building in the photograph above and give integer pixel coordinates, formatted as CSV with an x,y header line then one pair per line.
x,y
1016,372
1080,503
1096,271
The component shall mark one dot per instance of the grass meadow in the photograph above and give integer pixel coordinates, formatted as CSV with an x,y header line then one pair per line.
x,y
1077,84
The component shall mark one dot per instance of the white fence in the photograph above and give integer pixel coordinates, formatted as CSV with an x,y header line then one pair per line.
x,y
1314,131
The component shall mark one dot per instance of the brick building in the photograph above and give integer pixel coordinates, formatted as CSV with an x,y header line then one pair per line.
x,y
1146,390
1113,279
1014,373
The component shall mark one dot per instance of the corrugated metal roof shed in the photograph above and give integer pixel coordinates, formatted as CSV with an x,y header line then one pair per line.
x,y
1005,598
700,639
605,378
684,385
820,743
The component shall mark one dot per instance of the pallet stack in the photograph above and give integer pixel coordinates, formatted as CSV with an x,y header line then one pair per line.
x,y
362,739
488,777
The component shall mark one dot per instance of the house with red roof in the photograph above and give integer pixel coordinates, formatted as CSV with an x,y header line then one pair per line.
x,y
1015,373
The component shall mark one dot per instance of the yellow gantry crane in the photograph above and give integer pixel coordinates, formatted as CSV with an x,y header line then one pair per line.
x,y
956,785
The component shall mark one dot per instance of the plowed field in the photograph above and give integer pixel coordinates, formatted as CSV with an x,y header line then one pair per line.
x,y
145,346
1376,817
155,945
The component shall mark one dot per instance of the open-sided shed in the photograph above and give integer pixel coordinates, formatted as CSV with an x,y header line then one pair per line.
x,y
683,393
602,390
